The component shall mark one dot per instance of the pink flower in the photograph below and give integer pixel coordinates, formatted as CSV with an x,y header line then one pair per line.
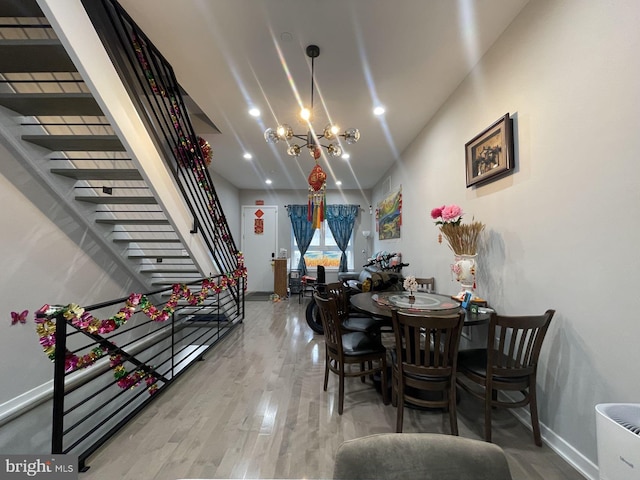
x,y
451,213
134,298
437,212
107,326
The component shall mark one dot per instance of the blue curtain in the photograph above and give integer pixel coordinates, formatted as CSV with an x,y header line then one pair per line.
x,y
341,219
303,231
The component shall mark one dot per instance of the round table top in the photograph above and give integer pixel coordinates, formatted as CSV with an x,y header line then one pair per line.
x,y
381,303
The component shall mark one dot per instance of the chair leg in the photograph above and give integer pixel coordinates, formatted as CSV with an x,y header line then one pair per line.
x,y
341,389
453,417
326,371
400,408
383,385
533,406
487,415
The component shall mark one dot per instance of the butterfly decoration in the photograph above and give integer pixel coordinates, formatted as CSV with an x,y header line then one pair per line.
x,y
19,317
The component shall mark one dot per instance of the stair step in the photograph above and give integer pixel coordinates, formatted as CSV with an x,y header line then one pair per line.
x,y
39,104
177,280
34,56
146,240
115,200
185,257
132,221
99,173
69,143
168,270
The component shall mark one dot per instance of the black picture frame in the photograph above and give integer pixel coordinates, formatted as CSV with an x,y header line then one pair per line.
x,y
489,154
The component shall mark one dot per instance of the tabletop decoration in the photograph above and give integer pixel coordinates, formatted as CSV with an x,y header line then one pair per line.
x,y
463,240
411,285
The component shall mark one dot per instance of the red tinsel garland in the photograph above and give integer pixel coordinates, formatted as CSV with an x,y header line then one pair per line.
x,y
82,320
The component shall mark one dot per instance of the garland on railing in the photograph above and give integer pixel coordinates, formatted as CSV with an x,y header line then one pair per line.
x,y
198,164
85,321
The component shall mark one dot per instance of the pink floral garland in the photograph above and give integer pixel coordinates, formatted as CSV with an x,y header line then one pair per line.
x,y
46,326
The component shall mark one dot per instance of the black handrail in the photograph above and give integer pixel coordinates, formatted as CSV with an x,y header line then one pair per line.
x,y
157,95
90,405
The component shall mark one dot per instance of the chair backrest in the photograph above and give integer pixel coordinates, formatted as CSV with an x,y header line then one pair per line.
x,y
321,276
338,290
426,284
331,321
427,343
514,344
428,456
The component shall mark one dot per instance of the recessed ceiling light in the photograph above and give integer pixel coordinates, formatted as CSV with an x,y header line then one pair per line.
x,y
268,181
338,182
379,110
346,156
248,156
254,112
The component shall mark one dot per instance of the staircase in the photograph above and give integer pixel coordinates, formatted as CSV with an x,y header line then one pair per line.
x,y
58,127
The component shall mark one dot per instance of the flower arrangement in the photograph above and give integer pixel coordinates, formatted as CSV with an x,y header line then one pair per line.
x,y
410,284
462,238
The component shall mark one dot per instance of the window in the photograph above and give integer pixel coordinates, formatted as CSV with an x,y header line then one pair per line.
x,y
322,250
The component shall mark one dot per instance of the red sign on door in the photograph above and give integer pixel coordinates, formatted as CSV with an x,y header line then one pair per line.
x,y
258,226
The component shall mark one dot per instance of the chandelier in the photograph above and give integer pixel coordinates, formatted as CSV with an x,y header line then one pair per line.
x,y
312,140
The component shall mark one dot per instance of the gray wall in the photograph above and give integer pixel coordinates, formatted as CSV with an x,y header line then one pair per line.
x,y
563,230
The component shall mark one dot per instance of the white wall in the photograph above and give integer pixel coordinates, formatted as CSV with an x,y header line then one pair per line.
x,y
563,229
48,258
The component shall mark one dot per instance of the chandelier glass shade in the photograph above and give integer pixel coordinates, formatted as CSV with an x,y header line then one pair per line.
x,y
312,140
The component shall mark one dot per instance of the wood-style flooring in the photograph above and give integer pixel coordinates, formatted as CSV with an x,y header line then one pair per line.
x,y
255,408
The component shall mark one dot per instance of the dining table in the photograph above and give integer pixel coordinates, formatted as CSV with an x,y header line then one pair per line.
x,y
380,304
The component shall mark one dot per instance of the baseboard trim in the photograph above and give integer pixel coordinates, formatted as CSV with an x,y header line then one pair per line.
x,y
565,450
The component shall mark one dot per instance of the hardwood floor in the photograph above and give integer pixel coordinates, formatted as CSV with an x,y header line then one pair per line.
x,y
255,408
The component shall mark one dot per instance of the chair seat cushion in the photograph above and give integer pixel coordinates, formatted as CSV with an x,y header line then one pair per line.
x,y
360,343
474,361
361,324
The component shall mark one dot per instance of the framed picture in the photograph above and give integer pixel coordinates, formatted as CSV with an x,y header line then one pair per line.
x,y
490,153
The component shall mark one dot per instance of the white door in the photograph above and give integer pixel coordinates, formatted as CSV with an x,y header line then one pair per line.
x,y
259,245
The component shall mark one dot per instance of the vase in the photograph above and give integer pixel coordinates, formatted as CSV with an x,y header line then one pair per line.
x,y
412,298
464,268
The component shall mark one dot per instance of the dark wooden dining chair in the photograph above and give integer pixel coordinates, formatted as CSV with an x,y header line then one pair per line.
x,y
426,284
343,350
509,363
424,362
352,321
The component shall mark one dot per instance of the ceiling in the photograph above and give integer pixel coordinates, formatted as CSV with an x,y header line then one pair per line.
x,y
231,55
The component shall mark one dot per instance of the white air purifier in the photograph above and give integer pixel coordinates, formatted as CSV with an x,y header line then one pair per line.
x,y
618,437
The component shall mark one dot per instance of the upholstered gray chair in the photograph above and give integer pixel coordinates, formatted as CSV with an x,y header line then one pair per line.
x,y
424,456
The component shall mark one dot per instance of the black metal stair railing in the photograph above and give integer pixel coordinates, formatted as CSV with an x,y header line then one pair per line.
x,y
132,356
158,97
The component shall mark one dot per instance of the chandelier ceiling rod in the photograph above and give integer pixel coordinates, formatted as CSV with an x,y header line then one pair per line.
x,y
313,51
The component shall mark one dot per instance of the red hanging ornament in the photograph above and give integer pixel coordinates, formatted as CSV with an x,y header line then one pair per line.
x,y
317,178
317,196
